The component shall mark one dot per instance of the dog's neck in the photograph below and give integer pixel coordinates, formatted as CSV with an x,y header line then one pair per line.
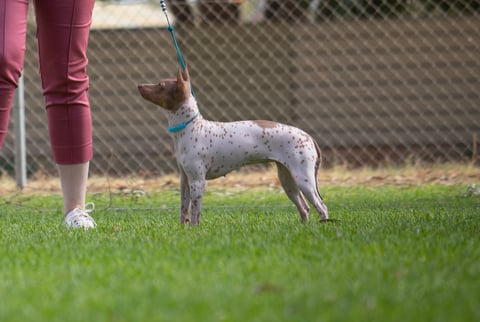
x,y
179,119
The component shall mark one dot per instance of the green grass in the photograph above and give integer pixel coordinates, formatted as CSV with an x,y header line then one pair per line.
x,y
396,254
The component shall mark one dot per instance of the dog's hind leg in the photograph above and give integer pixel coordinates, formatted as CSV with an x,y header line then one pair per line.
x,y
292,191
308,186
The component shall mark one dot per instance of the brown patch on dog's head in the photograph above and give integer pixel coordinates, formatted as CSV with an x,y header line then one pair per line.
x,y
265,124
169,93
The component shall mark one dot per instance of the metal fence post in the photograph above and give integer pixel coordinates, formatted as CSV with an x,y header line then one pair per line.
x,y
20,141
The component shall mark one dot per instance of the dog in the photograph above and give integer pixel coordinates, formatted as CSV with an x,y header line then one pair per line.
x,y
207,150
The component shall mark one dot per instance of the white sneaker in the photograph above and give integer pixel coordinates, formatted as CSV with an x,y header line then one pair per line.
x,y
79,218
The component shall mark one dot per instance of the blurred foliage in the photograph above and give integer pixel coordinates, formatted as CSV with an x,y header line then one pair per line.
x,y
333,9
301,10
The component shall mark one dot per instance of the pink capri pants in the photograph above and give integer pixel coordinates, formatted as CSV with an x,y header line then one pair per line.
x,y
63,27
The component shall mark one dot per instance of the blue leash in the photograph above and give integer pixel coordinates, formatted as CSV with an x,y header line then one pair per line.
x,y
181,126
172,32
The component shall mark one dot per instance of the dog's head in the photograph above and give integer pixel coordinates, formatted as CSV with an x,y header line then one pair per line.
x,y
169,93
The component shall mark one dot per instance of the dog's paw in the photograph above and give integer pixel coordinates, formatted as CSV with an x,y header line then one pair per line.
x,y
329,220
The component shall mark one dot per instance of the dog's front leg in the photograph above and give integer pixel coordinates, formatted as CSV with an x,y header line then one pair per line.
x,y
196,196
185,197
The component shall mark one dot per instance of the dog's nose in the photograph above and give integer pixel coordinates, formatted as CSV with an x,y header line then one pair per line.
x,y
142,88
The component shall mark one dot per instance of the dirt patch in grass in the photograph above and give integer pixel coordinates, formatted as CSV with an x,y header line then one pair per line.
x,y
439,174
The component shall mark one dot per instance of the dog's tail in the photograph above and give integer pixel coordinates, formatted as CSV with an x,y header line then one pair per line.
x,y
318,163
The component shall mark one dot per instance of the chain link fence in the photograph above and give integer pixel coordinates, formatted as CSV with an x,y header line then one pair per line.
x,y
374,81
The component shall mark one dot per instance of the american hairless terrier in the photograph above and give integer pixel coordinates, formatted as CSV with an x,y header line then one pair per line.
x,y
207,150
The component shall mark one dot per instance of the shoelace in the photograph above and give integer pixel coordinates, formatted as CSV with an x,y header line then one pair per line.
x,y
89,207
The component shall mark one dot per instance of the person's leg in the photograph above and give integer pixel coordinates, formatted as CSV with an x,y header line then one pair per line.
x,y
13,28
63,28
73,178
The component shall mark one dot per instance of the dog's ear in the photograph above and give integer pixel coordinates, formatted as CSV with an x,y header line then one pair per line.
x,y
183,84
183,76
186,74
179,77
